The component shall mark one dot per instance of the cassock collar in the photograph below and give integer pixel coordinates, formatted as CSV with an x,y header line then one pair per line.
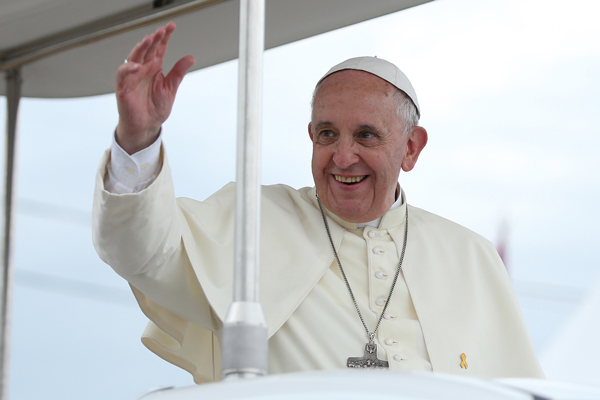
x,y
393,218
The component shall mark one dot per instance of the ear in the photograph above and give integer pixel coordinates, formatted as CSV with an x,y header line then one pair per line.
x,y
310,131
417,139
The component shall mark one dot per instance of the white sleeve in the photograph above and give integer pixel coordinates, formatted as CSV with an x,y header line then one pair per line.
x,y
132,173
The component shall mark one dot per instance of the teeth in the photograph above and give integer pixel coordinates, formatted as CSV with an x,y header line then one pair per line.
x,y
349,179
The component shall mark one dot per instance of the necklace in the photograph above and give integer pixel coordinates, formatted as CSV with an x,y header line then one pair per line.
x,y
369,360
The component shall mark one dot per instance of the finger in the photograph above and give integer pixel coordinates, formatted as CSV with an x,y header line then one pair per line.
x,y
138,53
162,47
175,76
123,72
156,39
170,27
139,50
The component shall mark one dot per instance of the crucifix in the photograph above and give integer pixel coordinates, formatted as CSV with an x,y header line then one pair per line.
x,y
369,360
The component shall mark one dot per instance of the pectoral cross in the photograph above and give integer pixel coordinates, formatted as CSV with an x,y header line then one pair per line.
x,y
369,360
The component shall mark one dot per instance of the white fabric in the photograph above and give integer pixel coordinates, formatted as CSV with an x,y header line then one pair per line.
x,y
370,258
177,256
132,173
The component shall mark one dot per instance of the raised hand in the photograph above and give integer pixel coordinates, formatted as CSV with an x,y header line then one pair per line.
x,y
145,95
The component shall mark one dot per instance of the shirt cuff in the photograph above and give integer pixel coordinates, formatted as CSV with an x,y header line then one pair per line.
x,y
132,173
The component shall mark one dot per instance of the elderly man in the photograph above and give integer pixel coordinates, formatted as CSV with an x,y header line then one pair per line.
x,y
344,264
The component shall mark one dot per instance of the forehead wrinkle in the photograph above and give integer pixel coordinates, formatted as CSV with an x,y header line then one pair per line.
x,y
376,84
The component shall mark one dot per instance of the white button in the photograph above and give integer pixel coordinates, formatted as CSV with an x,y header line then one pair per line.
x,y
387,316
397,357
372,234
380,301
378,250
380,275
389,342
130,170
144,165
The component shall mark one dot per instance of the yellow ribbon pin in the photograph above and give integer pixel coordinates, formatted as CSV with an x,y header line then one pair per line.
x,y
463,363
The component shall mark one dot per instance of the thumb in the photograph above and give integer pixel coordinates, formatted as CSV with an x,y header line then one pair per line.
x,y
175,76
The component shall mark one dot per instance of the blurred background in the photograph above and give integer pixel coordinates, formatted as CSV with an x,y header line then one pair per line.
x,y
509,92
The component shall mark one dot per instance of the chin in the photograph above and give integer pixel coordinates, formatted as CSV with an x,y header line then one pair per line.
x,y
352,215
350,210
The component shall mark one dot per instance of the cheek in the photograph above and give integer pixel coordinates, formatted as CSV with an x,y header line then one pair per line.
x,y
319,159
388,168
317,169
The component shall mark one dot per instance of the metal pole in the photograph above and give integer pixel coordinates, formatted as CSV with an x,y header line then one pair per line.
x,y
13,86
244,338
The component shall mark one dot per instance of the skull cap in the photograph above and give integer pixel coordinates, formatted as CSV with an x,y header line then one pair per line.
x,y
381,68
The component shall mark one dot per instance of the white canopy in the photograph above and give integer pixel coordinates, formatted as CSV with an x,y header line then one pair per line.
x,y
71,48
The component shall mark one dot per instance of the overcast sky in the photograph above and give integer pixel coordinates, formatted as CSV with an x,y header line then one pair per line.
x,y
508,92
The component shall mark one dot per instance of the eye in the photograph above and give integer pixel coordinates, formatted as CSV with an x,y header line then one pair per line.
x,y
366,135
326,136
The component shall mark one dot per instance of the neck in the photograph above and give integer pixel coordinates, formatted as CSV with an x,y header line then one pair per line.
x,y
375,223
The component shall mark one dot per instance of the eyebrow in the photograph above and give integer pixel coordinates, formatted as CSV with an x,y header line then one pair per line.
x,y
322,124
369,128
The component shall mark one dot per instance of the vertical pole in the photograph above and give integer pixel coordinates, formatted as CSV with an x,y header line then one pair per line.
x,y
244,338
248,150
13,96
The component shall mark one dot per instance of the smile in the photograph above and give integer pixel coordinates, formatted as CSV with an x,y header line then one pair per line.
x,y
349,179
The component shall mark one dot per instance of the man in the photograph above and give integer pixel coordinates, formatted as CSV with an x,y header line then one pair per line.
x,y
347,267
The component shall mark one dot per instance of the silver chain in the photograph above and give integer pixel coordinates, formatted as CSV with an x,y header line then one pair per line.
x,y
370,334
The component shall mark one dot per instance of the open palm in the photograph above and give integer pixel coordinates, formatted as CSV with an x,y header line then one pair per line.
x,y
145,95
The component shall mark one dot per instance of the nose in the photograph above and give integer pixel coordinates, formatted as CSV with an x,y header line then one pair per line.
x,y
345,154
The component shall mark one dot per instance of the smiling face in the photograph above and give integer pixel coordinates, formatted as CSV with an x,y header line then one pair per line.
x,y
359,145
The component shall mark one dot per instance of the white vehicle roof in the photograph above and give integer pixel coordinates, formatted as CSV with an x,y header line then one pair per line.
x,y
380,385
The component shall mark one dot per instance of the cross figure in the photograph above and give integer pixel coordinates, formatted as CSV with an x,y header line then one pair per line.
x,y
369,360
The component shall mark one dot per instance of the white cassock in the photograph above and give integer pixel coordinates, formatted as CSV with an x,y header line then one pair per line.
x,y
453,295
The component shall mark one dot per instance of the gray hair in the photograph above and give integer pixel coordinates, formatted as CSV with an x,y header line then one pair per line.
x,y
405,108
